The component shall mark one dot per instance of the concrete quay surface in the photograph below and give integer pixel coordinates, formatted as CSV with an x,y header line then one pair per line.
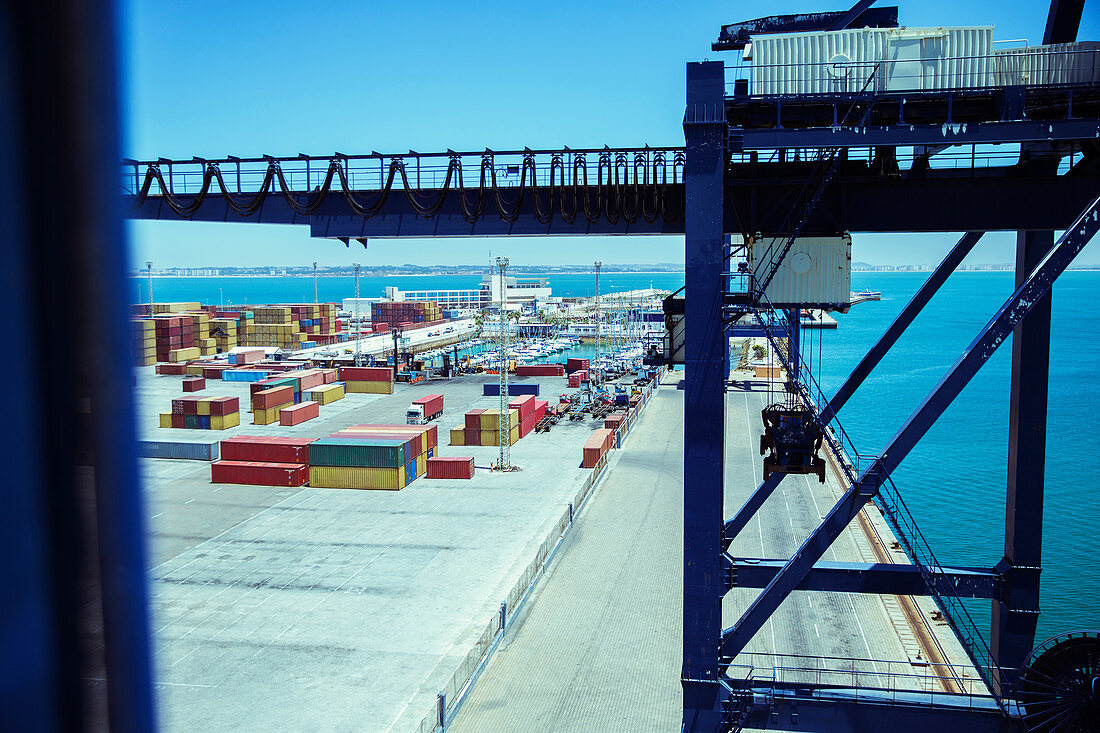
x,y
599,646
329,609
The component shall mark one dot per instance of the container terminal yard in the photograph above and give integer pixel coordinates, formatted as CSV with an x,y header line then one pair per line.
x,y
241,522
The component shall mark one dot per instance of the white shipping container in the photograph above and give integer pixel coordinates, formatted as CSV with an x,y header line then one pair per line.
x,y
1054,63
817,271
871,59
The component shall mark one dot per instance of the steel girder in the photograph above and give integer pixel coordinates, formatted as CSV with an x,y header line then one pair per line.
x,y
1031,291
862,577
706,366
758,197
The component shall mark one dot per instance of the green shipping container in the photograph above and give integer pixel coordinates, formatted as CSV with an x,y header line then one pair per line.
x,y
357,453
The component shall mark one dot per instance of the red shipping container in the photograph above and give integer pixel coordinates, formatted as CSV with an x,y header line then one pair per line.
x,y
171,368
194,384
259,474
541,407
612,422
526,426
266,449
299,413
366,374
213,372
439,467
381,327
596,446
432,404
574,365
433,436
473,419
525,405
178,421
539,370
329,376
272,397
471,436
224,405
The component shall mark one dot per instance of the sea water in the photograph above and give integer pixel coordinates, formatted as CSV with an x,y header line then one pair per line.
x,y
954,481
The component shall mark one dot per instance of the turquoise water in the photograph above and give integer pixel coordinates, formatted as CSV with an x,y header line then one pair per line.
x,y
257,290
954,481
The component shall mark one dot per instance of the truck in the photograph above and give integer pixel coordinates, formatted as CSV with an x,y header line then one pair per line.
x,y
424,409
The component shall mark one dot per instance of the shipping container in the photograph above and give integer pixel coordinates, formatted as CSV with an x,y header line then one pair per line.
x,y
194,384
244,375
297,414
490,419
458,436
269,415
226,421
1048,65
267,449
816,271
366,374
432,404
473,419
526,426
224,405
271,397
596,446
178,449
525,405
326,394
576,365
539,370
541,408
451,467
492,389
873,60
375,453
358,387
471,437
343,477
492,437
259,474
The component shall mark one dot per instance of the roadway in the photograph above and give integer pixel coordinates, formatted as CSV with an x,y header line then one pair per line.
x,y
599,648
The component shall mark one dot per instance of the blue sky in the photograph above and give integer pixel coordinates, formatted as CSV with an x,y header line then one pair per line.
x,y
211,78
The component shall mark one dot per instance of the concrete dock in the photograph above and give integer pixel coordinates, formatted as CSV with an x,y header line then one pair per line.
x,y
325,609
600,647
328,609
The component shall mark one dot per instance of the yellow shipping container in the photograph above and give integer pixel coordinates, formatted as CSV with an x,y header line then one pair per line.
x,y
209,350
144,324
222,422
492,437
166,419
175,307
490,419
326,394
268,416
203,406
332,477
369,387
193,370
458,436
178,355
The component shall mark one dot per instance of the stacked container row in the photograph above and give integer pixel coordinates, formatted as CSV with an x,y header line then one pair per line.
x,y
387,457
202,413
371,380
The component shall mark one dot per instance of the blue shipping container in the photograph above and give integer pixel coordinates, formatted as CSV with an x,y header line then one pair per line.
x,y
243,375
410,472
178,449
493,389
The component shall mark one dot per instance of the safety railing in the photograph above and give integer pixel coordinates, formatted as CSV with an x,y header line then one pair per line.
x,y
890,680
1039,66
304,173
971,157
449,699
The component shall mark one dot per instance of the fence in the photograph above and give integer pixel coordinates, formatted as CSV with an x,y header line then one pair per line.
x,y
453,694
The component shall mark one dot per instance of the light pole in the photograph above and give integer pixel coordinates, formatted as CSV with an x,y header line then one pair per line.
x,y
504,423
358,321
599,345
315,300
149,272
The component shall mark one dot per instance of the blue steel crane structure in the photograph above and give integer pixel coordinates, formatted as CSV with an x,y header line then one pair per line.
x,y
743,165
